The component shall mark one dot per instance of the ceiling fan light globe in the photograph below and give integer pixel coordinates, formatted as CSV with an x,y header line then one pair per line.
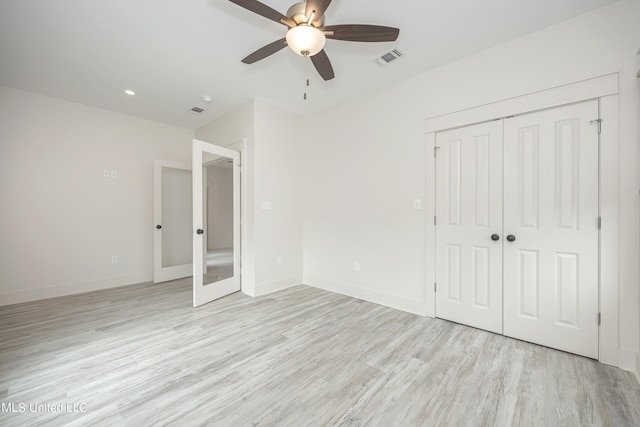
x,y
305,40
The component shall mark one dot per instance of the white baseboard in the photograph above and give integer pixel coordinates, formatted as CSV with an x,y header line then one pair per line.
x,y
248,288
28,295
627,360
274,286
400,303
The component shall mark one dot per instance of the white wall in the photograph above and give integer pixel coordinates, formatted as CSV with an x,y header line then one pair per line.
x,y
219,208
273,156
61,220
278,173
364,161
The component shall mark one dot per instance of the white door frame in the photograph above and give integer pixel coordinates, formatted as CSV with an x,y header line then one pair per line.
x,y
605,89
246,267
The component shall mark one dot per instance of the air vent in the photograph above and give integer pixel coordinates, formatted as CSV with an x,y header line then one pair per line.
x,y
196,110
389,57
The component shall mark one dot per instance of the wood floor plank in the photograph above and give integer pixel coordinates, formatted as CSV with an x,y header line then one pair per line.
x,y
142,355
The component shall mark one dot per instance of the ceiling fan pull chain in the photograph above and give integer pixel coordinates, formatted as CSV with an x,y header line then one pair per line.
x,y
306,75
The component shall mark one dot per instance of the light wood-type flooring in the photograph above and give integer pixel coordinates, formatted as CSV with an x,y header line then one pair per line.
x,y
141,355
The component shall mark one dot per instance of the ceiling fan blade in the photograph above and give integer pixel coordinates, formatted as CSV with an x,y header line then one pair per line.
x,y
263,10
265,51
361,33
323,65
319,6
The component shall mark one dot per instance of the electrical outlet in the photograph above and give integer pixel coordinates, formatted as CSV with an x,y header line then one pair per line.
x,y
280,260
114,174
114,259
106,173
356,266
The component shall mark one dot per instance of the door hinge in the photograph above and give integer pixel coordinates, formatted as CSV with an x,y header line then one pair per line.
x,y
435,287
599,121
599,223
599,319
435,151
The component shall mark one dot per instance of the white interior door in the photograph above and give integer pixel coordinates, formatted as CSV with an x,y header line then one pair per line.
x,y
216,222
551,222
173,216
469,226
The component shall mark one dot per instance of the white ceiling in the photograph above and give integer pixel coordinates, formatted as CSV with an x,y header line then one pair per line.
x,y
171,52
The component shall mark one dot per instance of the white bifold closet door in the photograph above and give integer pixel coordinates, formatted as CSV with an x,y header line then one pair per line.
x,y
551,210
517,227
469,212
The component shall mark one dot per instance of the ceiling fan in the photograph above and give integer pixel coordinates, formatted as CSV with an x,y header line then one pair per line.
x,y
307,33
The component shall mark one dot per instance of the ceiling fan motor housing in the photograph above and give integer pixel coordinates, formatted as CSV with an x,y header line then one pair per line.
x,y
297,14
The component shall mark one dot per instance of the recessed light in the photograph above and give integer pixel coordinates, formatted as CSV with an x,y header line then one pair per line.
x,y
129,92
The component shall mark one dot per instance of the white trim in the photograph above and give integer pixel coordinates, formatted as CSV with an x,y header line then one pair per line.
x,y
29,295
604,88
247,287
627,360
592,88
393,301
245,264
430,171
275,286
609,232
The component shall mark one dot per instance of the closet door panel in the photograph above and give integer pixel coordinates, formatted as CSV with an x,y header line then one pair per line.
x,y
469,212
551,211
